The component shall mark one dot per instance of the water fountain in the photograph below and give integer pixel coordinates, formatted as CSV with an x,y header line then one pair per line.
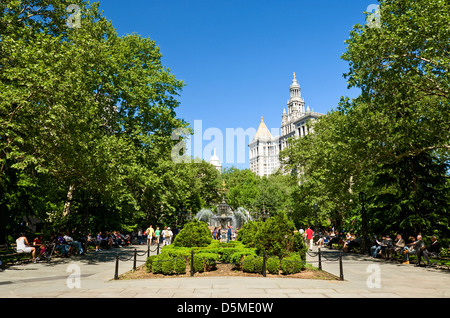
x,y
236,218
240,217
225,216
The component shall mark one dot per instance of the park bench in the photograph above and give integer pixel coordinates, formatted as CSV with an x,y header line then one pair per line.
x,y
8,254
443,258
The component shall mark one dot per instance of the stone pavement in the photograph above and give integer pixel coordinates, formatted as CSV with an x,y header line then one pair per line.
x,y
364,277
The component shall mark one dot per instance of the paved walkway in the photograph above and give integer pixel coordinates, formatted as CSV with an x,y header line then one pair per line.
x,y
364,277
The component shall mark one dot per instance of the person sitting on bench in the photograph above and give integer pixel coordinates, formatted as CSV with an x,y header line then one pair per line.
x,y
22,246
433,249
415,247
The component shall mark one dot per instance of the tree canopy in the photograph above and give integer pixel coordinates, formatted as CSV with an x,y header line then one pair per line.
x,y
86,119
392,141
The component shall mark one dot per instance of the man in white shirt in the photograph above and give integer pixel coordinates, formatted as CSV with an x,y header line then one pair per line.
x,y
167,234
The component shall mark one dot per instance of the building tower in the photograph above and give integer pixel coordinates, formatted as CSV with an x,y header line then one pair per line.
x,y
263,151
295,122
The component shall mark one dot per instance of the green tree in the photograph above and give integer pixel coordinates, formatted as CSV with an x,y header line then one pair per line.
x,y
242,188
276,236
82,111
392,140
402,71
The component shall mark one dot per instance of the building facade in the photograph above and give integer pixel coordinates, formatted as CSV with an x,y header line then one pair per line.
x,y
215,161
264,149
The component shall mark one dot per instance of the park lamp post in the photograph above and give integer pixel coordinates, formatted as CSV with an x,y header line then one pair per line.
x,y
362,199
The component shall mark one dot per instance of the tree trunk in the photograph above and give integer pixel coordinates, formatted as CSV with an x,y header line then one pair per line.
x,y
68,201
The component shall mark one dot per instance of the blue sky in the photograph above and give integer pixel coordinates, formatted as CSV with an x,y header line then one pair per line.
x,y
237,57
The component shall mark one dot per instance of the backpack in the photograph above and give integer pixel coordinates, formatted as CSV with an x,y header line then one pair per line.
x,y
166,234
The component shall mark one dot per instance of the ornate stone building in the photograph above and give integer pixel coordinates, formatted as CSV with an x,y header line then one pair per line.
x,y
215,161
264,149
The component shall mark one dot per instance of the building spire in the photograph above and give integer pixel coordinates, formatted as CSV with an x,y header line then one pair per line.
x,y
263,131
294,81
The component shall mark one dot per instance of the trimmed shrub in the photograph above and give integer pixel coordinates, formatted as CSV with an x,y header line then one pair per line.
x,y
292,264
225,254
300,245
248,232
148,263
179,266
276,236
199,266
194,234
199,263
209,260
252,264
157,265
237,257
174,252
167,265
273,265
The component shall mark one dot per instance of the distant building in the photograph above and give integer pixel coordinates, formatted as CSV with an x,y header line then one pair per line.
x,y
264,150
214,160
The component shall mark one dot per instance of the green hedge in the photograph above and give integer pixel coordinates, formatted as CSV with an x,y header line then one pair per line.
x,y
292,264
179,266
165,264
237,257
252,264
199,264
209,260
273,265
206,259
194,234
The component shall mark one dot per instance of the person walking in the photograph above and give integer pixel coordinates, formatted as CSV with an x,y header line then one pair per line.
x,y
229,233
168,236
163,236
157,235
309,237
150,235
219,234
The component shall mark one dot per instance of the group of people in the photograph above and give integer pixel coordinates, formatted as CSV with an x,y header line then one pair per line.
x,y
385,247
108,240
416,247
155,236
230,234
66,245
323,238
63,241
